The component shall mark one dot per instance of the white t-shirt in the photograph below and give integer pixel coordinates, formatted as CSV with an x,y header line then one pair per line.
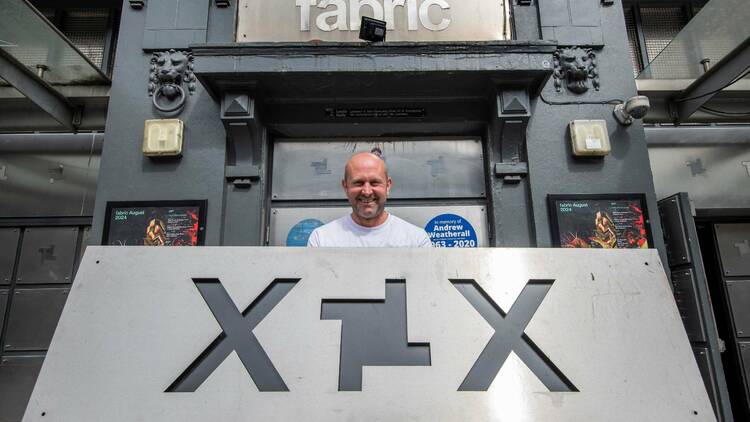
x,y
393,233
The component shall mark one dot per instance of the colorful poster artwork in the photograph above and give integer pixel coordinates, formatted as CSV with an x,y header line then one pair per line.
x,y
601,223
451,231
301,231
154,226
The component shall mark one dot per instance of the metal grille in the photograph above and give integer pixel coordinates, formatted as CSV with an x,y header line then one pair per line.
x,y
635,56
87,28
660,25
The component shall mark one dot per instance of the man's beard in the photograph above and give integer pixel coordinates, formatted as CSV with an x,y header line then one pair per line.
x,y
363,211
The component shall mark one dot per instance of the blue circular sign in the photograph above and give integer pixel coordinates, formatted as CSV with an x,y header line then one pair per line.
x,y
451,231
299,234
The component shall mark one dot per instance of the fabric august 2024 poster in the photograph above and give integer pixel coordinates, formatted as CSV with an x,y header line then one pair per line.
x,y
154,226
601,223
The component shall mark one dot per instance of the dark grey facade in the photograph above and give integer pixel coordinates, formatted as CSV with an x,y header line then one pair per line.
x,y
249,97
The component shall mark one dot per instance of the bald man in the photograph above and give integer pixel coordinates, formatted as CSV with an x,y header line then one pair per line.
x,y
367,185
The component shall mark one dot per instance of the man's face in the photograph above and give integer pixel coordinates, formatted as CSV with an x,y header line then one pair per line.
x,y
366,185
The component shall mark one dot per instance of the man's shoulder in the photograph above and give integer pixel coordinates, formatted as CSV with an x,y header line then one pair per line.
x,y
403,224
329,233
334,225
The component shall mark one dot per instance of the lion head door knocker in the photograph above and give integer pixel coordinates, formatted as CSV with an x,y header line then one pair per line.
x,y
576,66
169,71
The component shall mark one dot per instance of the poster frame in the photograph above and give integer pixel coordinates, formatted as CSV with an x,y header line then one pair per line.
x,y
555,224
200,203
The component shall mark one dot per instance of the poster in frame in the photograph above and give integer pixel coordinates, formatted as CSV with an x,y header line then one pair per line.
x,y
155,223
617,220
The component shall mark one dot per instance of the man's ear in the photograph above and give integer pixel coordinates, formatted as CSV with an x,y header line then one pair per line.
x,y
343,184
388,185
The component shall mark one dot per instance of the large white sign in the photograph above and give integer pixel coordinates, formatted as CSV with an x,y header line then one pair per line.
x,y
339,20
297,334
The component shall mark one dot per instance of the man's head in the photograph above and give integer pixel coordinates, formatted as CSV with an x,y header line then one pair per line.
x,y
366,184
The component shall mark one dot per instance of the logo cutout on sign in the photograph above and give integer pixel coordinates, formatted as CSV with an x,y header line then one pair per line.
x,y
373,333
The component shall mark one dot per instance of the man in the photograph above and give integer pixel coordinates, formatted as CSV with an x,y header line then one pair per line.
x,y
366,184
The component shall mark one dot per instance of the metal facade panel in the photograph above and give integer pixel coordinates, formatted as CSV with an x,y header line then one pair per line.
x,y
3,306
710,174
686,296
704,365
48,185
419,168
33,318
571,22
734,248
739,300
8,248
286,223
175,23
47,255
599,310
17,377
674,232
745,355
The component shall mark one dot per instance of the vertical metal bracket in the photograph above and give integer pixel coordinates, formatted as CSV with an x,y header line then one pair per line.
x,y
244,132
512,112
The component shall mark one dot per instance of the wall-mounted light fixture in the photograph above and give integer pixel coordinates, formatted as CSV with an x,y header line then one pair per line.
x,y
634,108
162,138
372,30
589,137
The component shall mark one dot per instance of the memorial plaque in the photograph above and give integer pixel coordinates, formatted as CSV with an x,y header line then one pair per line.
x,y
287,334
